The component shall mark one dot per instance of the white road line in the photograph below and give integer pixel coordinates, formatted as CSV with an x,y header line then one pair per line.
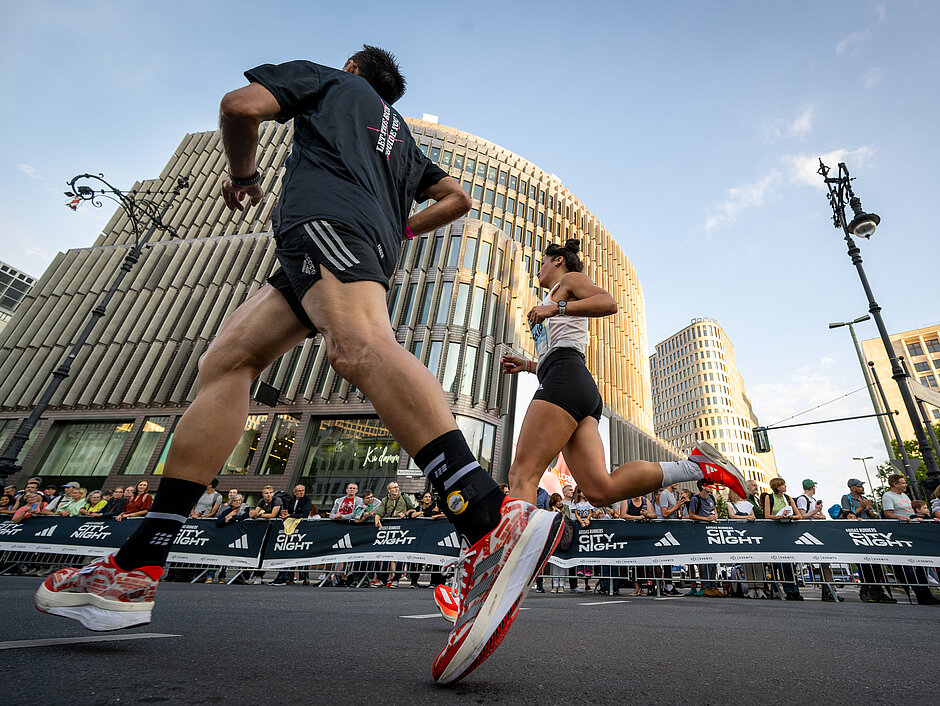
x,y
667,598
17,644
603,602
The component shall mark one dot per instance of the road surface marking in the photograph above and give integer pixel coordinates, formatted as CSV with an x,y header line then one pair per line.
x,y
603,602
17,644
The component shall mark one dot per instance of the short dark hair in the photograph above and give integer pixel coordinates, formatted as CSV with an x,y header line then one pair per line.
x,y
380,68
895,478
701,483
569,251
214,482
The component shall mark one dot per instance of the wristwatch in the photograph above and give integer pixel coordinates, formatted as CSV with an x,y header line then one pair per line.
x,y
562,305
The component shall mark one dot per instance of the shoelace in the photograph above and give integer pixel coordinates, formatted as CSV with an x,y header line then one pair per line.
x,y
463,564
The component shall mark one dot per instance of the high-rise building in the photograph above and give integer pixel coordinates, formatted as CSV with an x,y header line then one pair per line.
x,y
14,286
920,348
457,301
698,395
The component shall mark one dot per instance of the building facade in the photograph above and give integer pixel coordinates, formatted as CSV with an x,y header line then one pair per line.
x,y
457,301
698,395
920,349
14,286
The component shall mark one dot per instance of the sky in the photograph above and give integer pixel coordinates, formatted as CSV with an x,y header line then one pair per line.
x,y
691,130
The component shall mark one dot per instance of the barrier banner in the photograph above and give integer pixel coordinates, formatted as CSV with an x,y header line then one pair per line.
x,y
623,543
198,542
611,542
418,540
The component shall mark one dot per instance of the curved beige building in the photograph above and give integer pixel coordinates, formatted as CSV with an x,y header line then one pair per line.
x,y
457,301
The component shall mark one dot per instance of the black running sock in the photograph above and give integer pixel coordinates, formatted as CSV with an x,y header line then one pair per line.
x,y
471,498
150,543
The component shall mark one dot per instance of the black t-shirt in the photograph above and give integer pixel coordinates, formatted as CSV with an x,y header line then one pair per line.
x,y
267,507
353,160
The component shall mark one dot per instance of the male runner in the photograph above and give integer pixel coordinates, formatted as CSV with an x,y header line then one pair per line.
x,y
352,175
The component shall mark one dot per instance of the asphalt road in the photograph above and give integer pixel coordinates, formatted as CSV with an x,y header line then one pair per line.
x,y
265,644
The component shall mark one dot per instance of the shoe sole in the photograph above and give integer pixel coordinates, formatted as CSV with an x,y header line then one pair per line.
x,y
93,612
501,606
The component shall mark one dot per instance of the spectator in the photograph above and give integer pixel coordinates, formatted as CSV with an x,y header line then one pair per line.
x,y
685,497
581,513
896,505
10,491
779,506
33,504
557,504
94,504
298,506
428,508
6,505
542,498
504,487
348,506
702,508
115,505
235,511
637,509
393,505
921,512
812,509
753,497
269,507
138,504
856,506
743,509
935,503
73,505
369,505
669,505
209,502
50,493
657,508
52,506
32,486
567,495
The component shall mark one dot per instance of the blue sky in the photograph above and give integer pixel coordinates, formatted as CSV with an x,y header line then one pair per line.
x,y
690,129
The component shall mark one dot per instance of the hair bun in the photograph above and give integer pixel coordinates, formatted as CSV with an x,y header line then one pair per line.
x,y
573,245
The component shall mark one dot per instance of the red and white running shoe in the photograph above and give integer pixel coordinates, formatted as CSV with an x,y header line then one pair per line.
x,y
494,576
101,596
718,469
446,603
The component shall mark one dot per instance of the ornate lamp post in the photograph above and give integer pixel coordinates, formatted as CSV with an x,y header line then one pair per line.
x,y
142,210
863,225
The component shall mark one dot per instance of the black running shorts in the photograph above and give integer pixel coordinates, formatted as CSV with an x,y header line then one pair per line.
x,y
565,381
351,257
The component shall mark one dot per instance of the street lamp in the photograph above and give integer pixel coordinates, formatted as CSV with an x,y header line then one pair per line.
x,y
863,225
865,465
871,390
140,209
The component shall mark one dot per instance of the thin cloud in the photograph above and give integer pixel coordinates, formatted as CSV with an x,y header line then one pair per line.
x,y
872,78
851,44
881,11
802,169
740,199
29,170
803,125
37,253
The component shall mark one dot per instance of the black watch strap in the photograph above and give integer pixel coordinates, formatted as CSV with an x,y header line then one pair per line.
x,y
248,181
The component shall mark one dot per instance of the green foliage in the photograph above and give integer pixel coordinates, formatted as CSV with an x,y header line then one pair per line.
x,y
721,507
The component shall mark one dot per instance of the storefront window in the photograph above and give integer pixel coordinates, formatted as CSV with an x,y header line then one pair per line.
x,y
343,450
84,448
280,444
8,428
450,367
480,438
239,461
147,439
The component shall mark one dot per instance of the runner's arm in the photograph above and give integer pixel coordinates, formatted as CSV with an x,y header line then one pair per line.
x,y
240,114
584,297
450,203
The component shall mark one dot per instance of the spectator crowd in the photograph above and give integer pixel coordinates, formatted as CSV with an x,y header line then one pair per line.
x,y
748,580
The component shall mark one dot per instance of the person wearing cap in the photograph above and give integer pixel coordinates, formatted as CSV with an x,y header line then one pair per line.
x,y
32,486
856,506
58,503
812,509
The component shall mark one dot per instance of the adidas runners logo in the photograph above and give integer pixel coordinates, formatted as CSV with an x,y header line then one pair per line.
x,y
667,541
344,543
46,532
451,540
240,543
807,538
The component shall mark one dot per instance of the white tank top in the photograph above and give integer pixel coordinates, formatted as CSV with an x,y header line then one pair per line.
x,y
559,332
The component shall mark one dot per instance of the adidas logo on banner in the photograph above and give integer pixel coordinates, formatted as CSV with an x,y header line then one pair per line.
x,y
46,532
451,540
240,543
807,538
344,543
667,541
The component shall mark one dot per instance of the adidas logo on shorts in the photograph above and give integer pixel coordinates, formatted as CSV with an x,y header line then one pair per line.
x,y
309,267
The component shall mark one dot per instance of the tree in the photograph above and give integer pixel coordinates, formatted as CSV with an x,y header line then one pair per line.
x,y
910,446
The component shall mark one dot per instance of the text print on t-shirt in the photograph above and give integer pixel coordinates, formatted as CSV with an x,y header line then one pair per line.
x,y
387,132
